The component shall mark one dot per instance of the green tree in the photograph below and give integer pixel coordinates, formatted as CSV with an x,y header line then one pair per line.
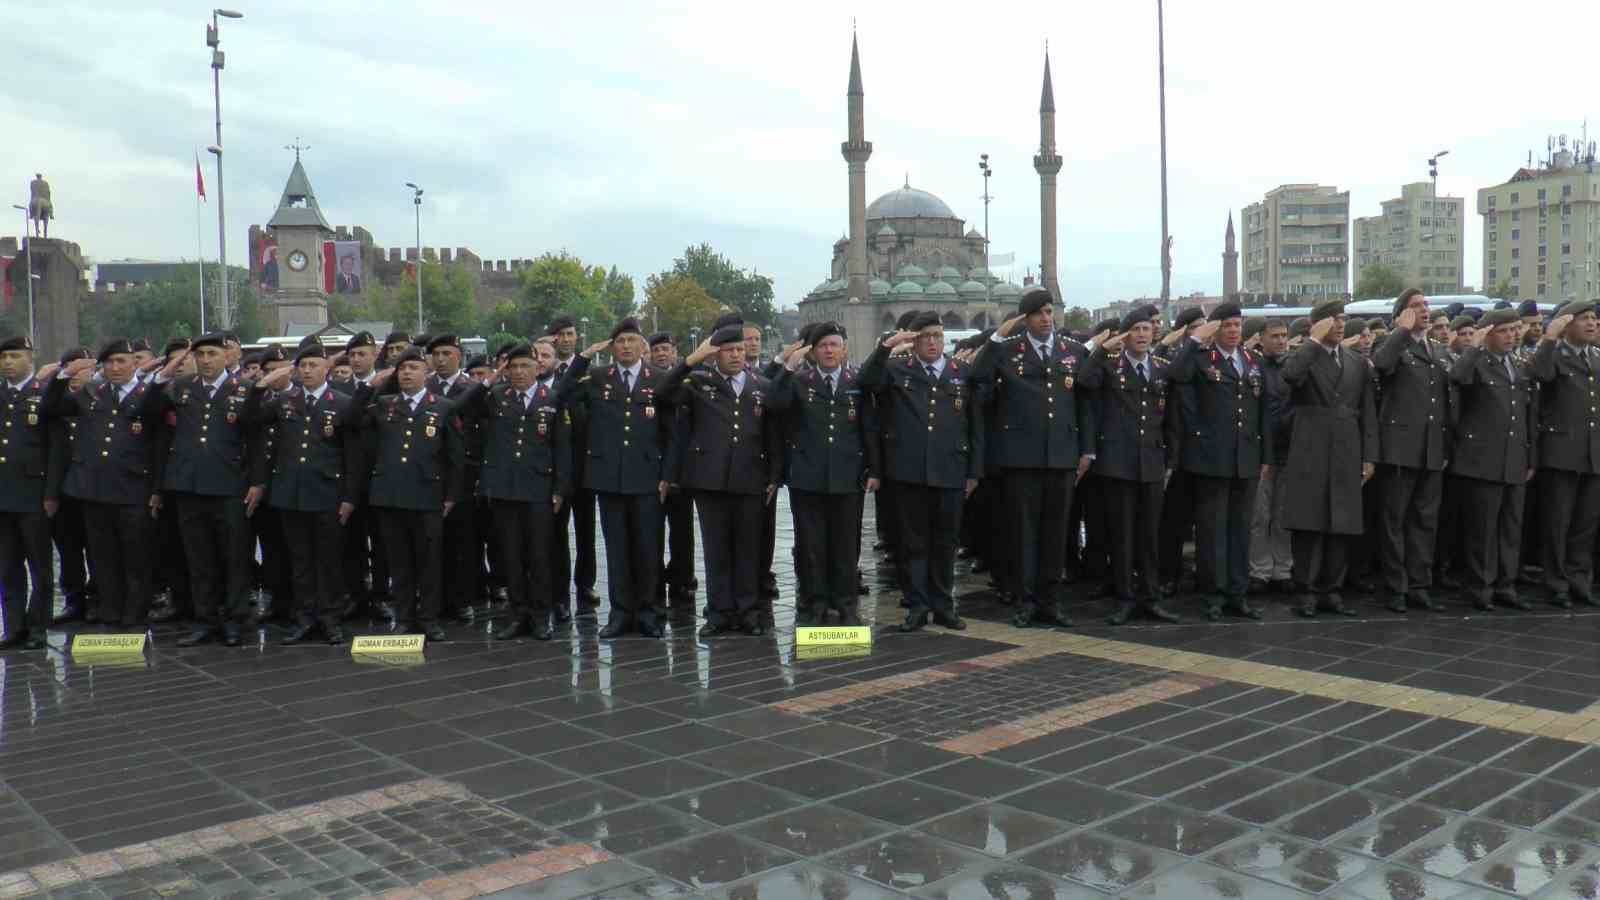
x,y
164,310
1503,291
1077,317
558,284
449,304
728,284
1379,280
617,294
677,304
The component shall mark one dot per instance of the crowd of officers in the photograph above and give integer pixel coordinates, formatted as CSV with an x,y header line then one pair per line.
x,y
1306,459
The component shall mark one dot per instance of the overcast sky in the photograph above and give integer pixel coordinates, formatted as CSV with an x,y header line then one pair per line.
x,y
625,131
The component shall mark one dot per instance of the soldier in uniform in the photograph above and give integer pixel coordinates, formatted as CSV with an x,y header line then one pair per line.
x,y
933,451
1414,443
526,475
113,471
31,468
414,445
730,462
1491,472
1532,327
463,544
1332,455
205,471
578,513
1178,500
623,409
678,582
1227,448
313,476
366,569
1041,441
66,526
1130,391
1567,368
663,352
395,344
833,457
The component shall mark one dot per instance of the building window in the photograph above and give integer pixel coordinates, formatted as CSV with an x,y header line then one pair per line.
x,y
1516,234
1541,270
1516,252
1541,251
1515,197
1493,274
1516,272
1566,190
1494,236
1566,249
1491,255
1491,201
1566,229
1541,290
1450,239
1541,234
1541,193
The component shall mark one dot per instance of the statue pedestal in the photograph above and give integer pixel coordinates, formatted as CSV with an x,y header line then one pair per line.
x,y
282,309
57,294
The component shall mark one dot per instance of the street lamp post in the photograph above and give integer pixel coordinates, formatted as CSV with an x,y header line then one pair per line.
x,y
988,279
1433,170
416,201
27,246
1166,237
214,41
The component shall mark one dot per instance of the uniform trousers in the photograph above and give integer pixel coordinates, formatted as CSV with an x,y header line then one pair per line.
x,y
414,543
463,553
1270,559
216,547
24,557
1570,505
678,521
827,548
66,532
172,572
1408,528
315,541
1133,511
577,516
119,549
1034,506
1321,560
274,562
364,554
1177,523
1089,524
1447,549
769,539
632,527
929,520
523,532
1491,535
1223,508
730,532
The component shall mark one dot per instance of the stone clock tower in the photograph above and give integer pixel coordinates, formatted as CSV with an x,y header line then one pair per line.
x,y
299,230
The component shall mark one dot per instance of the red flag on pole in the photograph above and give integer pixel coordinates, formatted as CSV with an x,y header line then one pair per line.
x,y
199,180
5,280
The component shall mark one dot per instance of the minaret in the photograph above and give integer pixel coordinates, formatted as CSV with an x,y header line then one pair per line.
x,y
1048,163
856,151
1230,263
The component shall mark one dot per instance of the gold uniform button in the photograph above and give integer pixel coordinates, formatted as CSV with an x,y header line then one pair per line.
x,y
302,459
625,443
402,459
105,453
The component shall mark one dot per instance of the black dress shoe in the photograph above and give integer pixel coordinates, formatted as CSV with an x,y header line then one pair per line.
x,y
712,629
1214,612
197,637
617,627
1259,587
166,613
1482,605
1427,602
562,614
35,642
231,636
1244,608
1561,602
1307,609
436,634
948,619
588,597
915,621
1123,613
542,630
1514,601
1335,605
1157,611
1059,615
1026,616
649,629
338,634
1396,605
517,628
15,642
849,619
298,634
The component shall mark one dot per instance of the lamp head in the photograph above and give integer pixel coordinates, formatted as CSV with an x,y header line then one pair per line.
x,y
228,13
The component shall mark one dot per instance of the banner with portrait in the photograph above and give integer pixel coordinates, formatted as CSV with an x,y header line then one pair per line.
x,y
264,261
342,269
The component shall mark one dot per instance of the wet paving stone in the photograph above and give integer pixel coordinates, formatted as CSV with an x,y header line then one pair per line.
x,y
996,830
905,860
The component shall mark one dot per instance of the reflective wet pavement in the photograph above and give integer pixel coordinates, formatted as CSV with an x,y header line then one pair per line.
x,y
1435,755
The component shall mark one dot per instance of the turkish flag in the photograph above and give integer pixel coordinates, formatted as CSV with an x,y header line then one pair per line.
x,y
199,180
5,279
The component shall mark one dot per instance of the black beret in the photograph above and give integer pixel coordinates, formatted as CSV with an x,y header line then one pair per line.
x,y
1033,301
410,354
1528,308
1356,326
19,342
1227,309
397,337
1460,322
660,337
559,324
250,359
477,362
1576,308
726,319
519,351
114,346
1103,326
1502,304
728,334
629,325
421,341
824,329
925,319
444,340
140,345
1188,317
1253,327
1326,309
504,348
75,353
1454,310
313,350
359,339
1501,316
1473,313
1377,322
213,339
176,344
1142,314
1300,327
273,353
904,321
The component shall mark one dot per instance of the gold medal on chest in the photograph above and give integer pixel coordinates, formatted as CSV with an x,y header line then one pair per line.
x,y
33,418
1066,382
136,427
958,404
430,431
649,412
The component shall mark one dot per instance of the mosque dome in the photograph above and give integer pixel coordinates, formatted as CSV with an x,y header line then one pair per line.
x,y
940,288
974,234
1007,290
880,287
911,270
949,274
909,203
886,231
971,289
981,275
822,287
907,287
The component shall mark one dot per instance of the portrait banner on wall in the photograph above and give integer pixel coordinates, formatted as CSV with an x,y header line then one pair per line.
x,y
342,270
265,255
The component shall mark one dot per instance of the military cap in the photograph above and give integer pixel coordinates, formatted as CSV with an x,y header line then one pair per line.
x,y
250,359
359,339
1142,314
1300,327
213,339
19,342
422,341
1494,318
1460,322
1033,301
1473,313
1502,304
273,353
410,354
113,347
313,350
340,360
1253,327
140,345
504,348
1327,309
1103,326
176,344
630,325
477,362
1188,317
1576,308
726,319
444,340
660,337
1357,326
803,334
1454,309
1405,297
925,319
74,353
728,334
519,351
1227,309
1528,308
397,337
904,321
824,329
559,324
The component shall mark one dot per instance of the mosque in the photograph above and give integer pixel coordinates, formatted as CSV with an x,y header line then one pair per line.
x,y
908,250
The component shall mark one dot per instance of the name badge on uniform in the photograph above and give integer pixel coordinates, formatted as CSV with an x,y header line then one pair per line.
x,y
430,431
958,403
233,417
543,427
649,412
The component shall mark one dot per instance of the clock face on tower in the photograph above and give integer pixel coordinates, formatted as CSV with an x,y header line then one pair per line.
x,y
297,261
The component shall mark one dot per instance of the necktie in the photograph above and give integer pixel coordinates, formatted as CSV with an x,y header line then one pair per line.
x,y
932,372
413,402
211,391
1233,367
627,381
1140,369
1511,371
525,403
561,370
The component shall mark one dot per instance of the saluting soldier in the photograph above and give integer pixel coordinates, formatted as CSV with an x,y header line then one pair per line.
x,y
1041,441
463,545
1178,513
113,471
31,469
1226,448
1130,387
623,410
366,568
678,582
729,460
395,344
66,526
313,475
933,452
1568,373
1332,454
578,513
414,444
833,457
526,476
1492,461
1414,443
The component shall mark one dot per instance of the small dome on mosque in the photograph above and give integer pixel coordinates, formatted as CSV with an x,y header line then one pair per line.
x,y
909,203
1006,289
822,287
880,287
907,287
971,289
911,270
981,275
941,288
974,234
948,273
